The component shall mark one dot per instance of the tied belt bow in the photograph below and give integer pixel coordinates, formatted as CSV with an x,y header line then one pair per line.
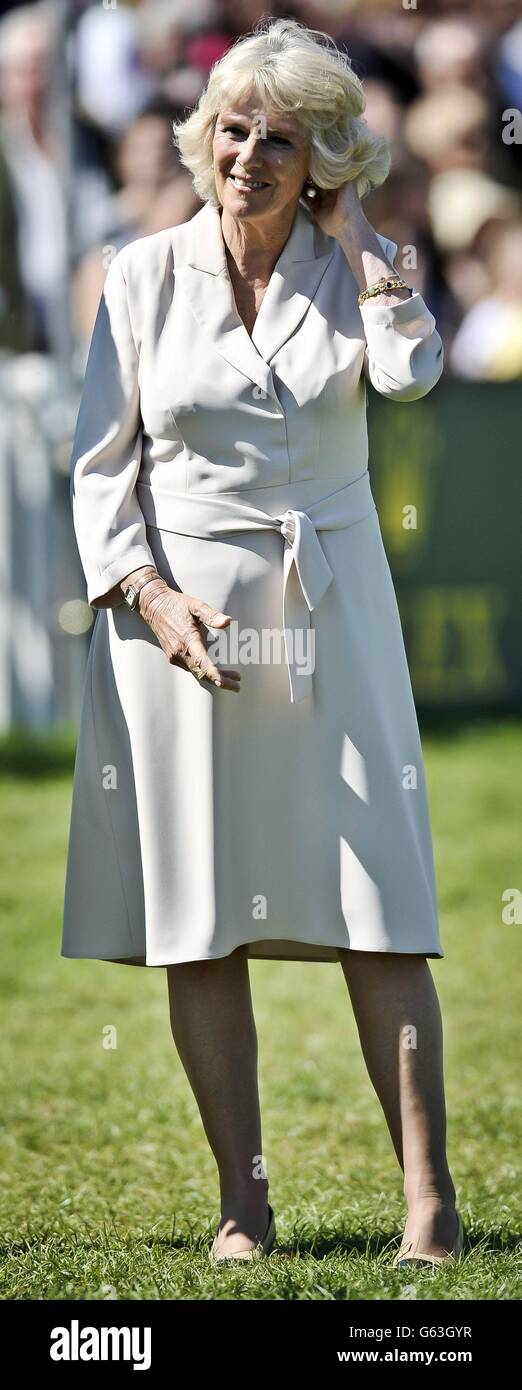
x,y
222,514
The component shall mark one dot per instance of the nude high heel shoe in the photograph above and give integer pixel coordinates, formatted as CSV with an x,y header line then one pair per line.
x,y
256,1252
402,1258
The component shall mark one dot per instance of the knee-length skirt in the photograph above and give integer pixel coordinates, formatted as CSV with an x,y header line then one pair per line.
x,y
204,819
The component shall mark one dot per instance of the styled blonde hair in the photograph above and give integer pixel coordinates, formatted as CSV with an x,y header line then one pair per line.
x,y
297,70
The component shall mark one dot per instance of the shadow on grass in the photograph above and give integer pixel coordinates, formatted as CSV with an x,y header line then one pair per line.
x,y
319,1247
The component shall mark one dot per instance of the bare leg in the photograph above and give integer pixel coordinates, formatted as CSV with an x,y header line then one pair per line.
x,y
392,995
214,1031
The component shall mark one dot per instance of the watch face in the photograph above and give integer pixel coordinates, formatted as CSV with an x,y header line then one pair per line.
x,y
131,597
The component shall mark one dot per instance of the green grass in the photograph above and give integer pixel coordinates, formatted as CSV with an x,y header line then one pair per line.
x,y
108,1189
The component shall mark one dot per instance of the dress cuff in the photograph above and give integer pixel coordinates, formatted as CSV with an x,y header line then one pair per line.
x,y
105,581
391,315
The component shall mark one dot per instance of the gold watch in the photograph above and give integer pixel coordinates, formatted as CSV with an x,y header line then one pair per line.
x,y
131,594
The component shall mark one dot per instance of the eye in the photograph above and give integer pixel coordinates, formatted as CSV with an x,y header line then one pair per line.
x,y
239,129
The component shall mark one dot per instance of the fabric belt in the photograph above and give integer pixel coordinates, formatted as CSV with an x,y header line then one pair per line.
x,y
211,516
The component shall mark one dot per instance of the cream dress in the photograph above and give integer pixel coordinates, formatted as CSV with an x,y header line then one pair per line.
x,y
292,815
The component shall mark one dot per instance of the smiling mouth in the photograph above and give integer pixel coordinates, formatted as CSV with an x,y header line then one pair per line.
x,y
247,185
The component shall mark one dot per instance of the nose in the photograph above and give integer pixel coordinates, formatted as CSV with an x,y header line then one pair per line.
x,y
250,151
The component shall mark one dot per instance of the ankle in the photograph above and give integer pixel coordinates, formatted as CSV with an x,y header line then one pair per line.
x,y
436,1195
238,1199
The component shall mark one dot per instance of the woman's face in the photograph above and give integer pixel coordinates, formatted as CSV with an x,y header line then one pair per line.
x,y
259,147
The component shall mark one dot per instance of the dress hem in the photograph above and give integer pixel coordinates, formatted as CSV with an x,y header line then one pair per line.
x,y
261,955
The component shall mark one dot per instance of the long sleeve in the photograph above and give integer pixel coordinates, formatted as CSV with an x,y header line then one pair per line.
x,y
106,454
404,356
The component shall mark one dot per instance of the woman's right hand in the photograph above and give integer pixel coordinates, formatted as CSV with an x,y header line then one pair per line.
x,y
175,619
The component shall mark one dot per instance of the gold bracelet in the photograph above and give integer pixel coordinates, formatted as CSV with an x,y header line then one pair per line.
x,y
394,282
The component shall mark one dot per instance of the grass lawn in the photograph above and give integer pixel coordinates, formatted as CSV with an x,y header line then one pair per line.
x,y
108,1189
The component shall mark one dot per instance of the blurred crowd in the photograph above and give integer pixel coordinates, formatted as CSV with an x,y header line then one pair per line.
x,y
88,93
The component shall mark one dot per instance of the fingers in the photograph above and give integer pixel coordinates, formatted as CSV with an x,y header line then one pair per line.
x,y
175,619
222,677
211,617
196,659
226,679
203,668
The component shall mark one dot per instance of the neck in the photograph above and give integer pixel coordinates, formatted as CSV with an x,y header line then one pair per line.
x,y
256,246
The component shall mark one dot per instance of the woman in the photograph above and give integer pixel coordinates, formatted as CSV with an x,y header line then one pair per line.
x,y
220,482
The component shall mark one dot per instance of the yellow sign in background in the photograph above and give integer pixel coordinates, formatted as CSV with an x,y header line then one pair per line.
x,y
447,479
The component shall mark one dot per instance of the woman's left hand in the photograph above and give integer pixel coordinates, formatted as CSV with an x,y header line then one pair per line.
x,y
339,213
334,208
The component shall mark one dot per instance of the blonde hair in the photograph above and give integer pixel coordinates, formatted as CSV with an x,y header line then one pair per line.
x,y
292,69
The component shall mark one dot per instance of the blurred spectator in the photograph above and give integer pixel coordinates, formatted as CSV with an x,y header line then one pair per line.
x,y
241,15
32,178
488,344
154,193
17,330
440,82
461,200
167,27
144,160
384,112
447,128
111,82
451,52
179,40
510,66
175,202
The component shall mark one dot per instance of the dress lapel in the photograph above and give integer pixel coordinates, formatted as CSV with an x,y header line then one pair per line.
x,y
203,274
